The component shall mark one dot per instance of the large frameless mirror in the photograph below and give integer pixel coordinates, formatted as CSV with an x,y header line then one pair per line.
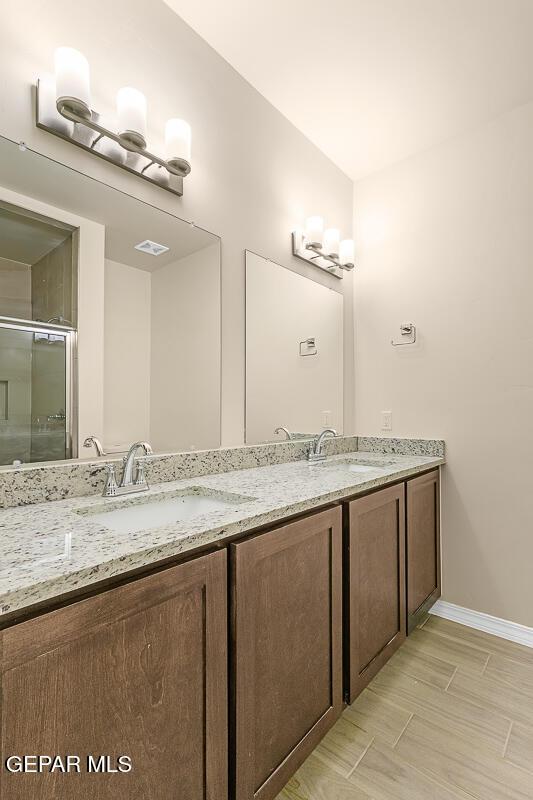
x,y
294,354
109,318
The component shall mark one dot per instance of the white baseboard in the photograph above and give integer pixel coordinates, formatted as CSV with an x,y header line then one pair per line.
x,y
484,622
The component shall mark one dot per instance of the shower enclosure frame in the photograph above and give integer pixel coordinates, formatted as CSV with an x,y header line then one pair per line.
x,y
71,374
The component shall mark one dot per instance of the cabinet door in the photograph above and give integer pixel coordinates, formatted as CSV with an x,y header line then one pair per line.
x,y
376,583
287,618
140,671
423,545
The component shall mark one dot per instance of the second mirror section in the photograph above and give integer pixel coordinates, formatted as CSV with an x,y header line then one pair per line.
x,y
294,354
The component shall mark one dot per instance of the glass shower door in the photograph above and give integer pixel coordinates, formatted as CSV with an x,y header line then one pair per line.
x,y
34,393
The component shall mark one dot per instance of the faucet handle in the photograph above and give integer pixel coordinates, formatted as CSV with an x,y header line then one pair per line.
x,y
110,488
140,478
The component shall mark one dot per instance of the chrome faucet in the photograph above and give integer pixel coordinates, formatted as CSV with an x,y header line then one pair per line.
x,y
315,453
128,483
92,440
286,431
129,463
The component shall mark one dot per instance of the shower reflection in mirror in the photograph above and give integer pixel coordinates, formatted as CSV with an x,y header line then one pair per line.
x,y
38,311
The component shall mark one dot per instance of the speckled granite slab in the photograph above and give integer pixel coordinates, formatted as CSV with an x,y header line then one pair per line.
x,y
402,447
32,483
55,547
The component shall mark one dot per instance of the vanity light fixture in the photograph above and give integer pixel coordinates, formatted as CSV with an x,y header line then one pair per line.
x,y
323,248
346,253
73,91
64,109
331,242
131,118
314,231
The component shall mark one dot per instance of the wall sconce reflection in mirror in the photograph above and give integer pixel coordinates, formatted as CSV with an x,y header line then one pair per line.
x,y
308,347
64,109
323,248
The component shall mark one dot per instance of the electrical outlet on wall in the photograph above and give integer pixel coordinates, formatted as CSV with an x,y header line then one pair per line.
x,y
386,420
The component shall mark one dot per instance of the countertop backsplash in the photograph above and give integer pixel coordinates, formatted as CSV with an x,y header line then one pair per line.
x,y
38,483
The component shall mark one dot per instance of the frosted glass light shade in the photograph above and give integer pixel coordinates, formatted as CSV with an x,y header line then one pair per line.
x,y
346,252
131,118
48,113
331,241
314,230
73,92
178,144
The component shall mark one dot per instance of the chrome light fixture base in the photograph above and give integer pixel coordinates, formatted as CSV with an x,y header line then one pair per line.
x,y
139,161
132,141
181,166
72,105
311,253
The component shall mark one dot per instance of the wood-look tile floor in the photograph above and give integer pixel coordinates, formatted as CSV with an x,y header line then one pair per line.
x,y
450,717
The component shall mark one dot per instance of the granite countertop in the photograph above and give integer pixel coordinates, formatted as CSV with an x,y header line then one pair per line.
x,y
56,547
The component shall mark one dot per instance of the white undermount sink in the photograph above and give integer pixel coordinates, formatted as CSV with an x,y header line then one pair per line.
x,y
357,465
154,511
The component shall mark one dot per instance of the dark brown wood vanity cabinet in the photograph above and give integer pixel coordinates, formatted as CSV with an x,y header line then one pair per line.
x,y
286,613
423,546
375,603
138,671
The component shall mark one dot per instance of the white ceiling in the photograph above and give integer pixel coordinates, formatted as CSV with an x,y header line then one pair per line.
x,y
371,82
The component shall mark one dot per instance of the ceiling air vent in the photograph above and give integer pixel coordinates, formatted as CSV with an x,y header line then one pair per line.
x,y
152,248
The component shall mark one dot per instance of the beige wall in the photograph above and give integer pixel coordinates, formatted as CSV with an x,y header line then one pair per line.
x,y
254,175
185,348
126,356
445,240
302,393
